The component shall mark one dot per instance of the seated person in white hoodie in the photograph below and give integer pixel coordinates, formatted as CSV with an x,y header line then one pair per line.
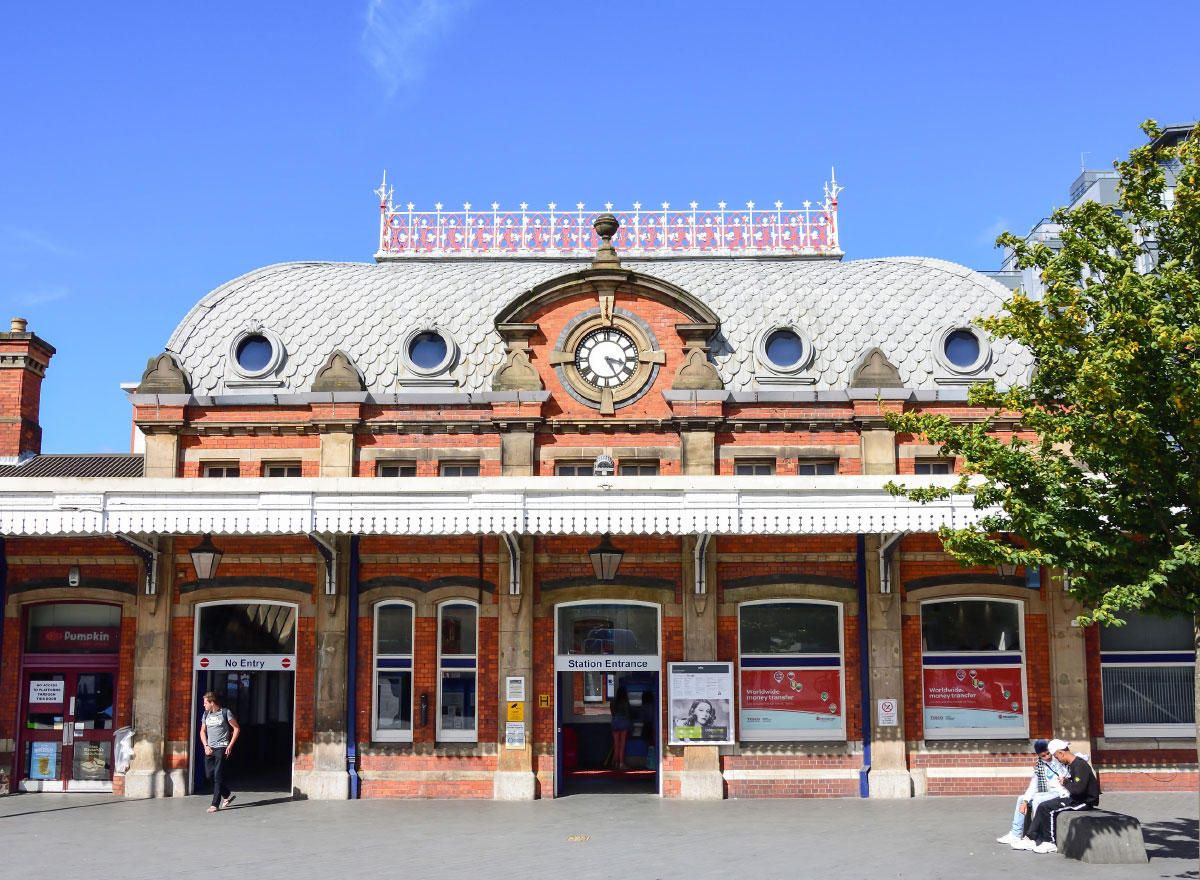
x,y
1044,785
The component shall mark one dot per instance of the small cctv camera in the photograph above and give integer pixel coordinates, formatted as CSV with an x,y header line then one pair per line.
x,y
73,576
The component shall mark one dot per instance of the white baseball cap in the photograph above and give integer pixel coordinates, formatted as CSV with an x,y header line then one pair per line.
x,y
1058,745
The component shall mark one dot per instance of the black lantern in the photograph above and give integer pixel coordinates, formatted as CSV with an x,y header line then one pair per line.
x,y
606,558
205,559
1005,567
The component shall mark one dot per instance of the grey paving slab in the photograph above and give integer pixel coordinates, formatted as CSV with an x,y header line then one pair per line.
x,y
599,836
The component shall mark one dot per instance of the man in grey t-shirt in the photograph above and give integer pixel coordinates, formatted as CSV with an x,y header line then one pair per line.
x,y
219,730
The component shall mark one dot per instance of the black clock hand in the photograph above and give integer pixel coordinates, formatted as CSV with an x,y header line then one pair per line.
x,y
615,363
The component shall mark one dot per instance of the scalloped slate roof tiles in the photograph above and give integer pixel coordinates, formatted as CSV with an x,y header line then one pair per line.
x,y
899,304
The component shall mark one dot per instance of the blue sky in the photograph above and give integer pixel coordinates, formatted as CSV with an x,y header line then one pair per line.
x,y
152,152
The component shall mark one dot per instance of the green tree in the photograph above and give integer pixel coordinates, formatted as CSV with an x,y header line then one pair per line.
x,y
1104,478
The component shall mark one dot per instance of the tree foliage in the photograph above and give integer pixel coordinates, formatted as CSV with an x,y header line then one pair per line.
x,y
1110,487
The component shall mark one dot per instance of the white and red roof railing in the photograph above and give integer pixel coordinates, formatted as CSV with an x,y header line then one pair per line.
x,y
811,230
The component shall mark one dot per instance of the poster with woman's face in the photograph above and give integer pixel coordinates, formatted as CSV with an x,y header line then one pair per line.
x,y
701,703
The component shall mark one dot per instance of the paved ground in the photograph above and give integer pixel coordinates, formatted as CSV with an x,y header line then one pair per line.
x,y
615,837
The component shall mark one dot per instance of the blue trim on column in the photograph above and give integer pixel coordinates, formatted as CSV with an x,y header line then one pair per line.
x,y
352,672
864,665
3,592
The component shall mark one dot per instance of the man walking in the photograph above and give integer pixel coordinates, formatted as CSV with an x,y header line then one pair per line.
x,y
1044,785
1083,793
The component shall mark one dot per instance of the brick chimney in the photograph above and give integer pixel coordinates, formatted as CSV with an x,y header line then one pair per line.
x,y
23,361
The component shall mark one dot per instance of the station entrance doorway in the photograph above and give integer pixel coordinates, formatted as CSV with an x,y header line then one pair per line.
x,y
608,707
246,655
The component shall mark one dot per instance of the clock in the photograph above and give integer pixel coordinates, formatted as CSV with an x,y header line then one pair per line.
x,y
606,358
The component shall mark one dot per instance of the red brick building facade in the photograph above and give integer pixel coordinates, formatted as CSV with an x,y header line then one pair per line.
x,y
408,468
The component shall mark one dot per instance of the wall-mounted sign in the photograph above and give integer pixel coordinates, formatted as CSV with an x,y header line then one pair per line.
x,y
516,711
514,735
514,688
607,663
68,639
41,692
543,701
701,696
974,699
888,715
245,662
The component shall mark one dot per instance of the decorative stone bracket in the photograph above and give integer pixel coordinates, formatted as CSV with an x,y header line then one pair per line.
x,y
163,375
517,373
697,373
338,374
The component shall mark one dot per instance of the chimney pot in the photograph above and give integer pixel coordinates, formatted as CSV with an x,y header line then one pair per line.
x,y
19,325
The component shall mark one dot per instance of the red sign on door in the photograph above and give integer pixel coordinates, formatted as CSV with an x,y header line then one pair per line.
x,y
67,639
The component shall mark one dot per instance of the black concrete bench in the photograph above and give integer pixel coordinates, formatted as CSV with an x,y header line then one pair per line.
x,y
1100,837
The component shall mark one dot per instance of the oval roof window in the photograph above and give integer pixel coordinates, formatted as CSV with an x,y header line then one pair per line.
x,y
427,350
962,348
784,348
253,353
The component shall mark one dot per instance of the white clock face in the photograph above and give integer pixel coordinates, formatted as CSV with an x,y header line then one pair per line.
x,y
606,358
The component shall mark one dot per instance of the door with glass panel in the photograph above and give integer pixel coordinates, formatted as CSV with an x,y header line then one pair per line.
x,y
67,730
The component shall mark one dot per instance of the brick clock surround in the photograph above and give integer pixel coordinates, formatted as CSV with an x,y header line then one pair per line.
x,y
510,405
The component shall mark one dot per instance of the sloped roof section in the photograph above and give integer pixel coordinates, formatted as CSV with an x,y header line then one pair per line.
x,y
57,465
898,304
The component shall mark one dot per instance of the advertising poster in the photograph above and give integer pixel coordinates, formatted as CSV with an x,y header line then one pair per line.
x,y
701,696
963,697
780,703
43,760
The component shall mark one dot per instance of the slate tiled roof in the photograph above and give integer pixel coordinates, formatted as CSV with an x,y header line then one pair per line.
x,y
97,465
900,304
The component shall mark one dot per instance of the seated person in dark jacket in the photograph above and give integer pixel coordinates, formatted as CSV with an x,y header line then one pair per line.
x,y
1083,793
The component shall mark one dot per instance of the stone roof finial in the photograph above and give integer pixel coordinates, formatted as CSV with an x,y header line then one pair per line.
x,y
606,226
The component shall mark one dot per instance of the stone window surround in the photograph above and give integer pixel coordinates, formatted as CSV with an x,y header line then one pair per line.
x,y
950,373
252,378
629,454
447,363
783,453
409,455
236,456
769,366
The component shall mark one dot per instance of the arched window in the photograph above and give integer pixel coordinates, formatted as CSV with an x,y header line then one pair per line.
x,y
973,669
791,670
458,664
392,700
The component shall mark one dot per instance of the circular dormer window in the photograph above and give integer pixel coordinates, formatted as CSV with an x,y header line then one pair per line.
x,y
962,350
428,351
784,350
255,353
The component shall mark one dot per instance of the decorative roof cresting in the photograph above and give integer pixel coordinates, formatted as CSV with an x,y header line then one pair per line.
x,y
809,231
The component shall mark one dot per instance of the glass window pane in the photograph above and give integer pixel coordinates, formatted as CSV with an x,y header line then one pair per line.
x,y
458,701
254,353
94,701
393,630
971,625
790,628
962,348
458,629
1149,694
602,628
92,760
393,700
74,628
784,348
1145,632
249,628
427,350
43,760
